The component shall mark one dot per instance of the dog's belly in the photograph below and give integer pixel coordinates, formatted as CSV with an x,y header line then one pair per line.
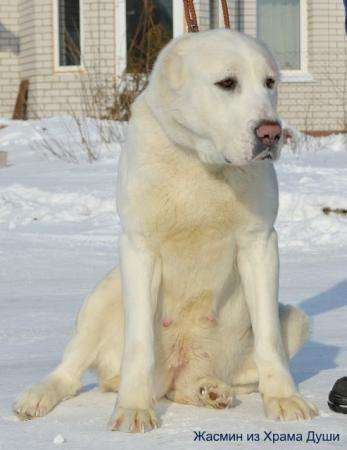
x,y
195,343
201,311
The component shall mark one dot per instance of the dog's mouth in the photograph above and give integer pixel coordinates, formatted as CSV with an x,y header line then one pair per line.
x,y
263,156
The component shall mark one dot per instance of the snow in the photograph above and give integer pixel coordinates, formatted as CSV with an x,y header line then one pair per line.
x,y
58,233
59,439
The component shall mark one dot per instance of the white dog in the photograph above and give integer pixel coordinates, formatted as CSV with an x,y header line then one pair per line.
x,y
193,313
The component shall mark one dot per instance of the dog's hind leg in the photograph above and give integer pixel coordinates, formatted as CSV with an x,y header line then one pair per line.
x,y
212,392
100,314
295,326
295,332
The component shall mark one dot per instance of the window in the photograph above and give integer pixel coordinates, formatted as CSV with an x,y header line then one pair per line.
x,y
149,26
143,27
281,25
69,33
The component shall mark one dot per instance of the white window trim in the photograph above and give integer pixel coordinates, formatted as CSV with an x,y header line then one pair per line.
x,y
293,76
120,34
57,66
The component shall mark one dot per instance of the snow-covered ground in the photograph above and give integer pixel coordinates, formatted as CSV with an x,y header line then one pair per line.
x,y
58,234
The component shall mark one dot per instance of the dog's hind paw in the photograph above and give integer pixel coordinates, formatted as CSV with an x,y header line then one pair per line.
x,y
133,420
214,393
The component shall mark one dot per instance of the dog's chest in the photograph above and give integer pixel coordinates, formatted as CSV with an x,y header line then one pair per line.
x,y
194,204
191,207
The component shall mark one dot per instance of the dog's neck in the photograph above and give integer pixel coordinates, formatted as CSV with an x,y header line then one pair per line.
x,y
142,109
146,119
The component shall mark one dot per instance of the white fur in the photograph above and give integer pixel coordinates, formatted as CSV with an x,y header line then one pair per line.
x,y
198,250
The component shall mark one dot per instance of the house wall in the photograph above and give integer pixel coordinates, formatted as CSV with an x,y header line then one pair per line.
x,y
214,9
322,103
9,55
203,11
26,34
54,90
248,16
318,102
211,16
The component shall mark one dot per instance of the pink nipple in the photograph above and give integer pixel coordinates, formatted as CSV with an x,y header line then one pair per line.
x,y
166,322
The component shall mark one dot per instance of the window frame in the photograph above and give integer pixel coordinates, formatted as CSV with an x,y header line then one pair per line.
x,y
120,31
302,74
56,44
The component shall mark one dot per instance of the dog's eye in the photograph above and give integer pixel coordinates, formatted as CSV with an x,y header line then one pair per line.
x,y
270,83
229,84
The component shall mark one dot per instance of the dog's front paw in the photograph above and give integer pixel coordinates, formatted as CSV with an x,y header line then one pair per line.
x,y
133,420
288,408
35,402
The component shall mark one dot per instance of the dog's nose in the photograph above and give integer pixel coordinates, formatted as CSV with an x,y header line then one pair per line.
x,y
268,132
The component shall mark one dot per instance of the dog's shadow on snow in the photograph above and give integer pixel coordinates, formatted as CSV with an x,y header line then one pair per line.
x,y
316,356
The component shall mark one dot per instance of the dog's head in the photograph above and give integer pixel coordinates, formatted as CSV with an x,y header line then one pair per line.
x,y
216,92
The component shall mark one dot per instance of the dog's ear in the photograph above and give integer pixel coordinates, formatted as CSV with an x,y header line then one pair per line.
x,y
172,68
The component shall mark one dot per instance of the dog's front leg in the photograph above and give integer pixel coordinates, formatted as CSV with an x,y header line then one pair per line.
x,y
259,270
141,275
